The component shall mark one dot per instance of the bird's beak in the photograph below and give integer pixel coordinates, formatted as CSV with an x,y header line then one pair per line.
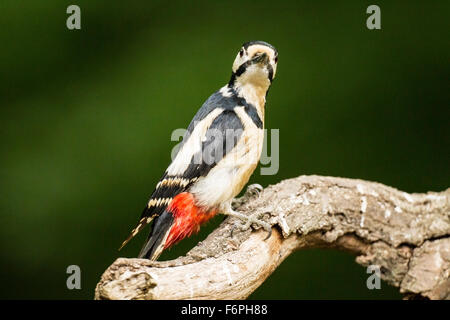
x,y
261,58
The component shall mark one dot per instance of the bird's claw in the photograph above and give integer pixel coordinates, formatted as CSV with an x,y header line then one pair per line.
x,y
254,190
249,220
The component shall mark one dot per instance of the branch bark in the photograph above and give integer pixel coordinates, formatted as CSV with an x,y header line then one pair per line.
x,y
406,235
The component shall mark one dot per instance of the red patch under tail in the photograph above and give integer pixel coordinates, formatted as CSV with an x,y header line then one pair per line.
x,y
188,218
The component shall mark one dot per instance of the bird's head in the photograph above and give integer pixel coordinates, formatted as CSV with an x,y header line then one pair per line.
x,y
255,64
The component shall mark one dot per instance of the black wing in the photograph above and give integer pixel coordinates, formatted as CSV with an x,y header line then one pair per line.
x,y
220,138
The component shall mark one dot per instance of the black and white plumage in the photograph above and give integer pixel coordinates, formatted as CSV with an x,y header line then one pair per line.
x,y
218,154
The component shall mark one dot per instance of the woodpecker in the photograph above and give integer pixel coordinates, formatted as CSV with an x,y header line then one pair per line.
x,y
219,152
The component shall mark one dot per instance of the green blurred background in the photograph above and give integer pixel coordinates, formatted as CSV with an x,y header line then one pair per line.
x,y
86,119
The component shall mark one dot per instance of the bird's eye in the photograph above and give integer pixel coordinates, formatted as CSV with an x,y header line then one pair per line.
x,y
276,59
241,53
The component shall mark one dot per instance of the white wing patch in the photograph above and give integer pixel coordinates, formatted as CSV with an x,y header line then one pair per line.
x,y
193,145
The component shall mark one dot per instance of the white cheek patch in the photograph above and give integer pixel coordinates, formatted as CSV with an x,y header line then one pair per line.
x,y
238,61
274,68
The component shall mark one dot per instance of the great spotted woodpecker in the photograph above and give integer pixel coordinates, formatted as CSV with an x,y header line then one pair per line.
x,y
218,154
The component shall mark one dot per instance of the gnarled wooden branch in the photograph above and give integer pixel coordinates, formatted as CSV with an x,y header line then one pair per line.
x,y
406,235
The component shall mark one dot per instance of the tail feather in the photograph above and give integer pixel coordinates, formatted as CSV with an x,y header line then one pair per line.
x,y
141,224
154,245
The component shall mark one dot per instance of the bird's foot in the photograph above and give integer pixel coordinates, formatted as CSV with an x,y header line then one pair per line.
x,y
247,221
252,191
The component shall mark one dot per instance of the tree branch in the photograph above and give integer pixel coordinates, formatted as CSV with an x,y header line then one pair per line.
x,y
406,235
